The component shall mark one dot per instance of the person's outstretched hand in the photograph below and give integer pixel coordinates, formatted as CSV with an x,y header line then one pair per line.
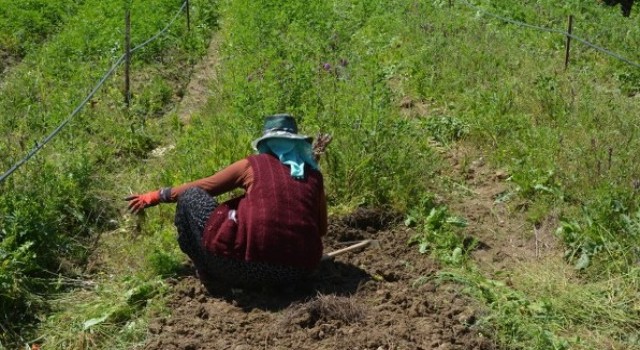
x,y
138,202
320,145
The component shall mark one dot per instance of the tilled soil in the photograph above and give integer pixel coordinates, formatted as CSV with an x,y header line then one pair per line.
x,y
380,298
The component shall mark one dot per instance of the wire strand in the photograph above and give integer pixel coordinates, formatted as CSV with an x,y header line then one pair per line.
x,y
482,11
184,4
551,30
41,144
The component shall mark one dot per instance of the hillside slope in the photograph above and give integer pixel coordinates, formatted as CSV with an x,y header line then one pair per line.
x,y
501,186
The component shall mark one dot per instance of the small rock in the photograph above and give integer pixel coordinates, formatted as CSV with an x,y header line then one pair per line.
x,y
155,328
202,313
501,175
429,287
478,163
467,317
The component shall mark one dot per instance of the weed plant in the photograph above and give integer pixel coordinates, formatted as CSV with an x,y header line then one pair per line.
x,y
387,79
55,205
26,24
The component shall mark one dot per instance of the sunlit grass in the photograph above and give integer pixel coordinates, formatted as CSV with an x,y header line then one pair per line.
x,y
544,304
396,83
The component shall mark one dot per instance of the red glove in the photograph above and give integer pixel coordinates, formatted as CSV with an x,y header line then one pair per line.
x,y
138,202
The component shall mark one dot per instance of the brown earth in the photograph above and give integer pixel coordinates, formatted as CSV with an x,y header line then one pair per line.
x,y
203,79
6,61
383,297
497,216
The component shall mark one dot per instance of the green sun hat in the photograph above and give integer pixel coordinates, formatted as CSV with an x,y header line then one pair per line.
x,y
280,126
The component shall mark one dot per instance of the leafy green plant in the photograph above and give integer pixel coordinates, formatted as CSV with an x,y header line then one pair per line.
x,y
607,233
28,23
629,82
515,313
438,232
108,316
52,209
165,257
446,129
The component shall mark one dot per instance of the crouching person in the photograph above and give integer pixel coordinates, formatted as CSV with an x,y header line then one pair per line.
x,y
271,234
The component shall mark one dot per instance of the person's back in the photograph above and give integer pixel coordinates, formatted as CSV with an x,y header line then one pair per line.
x,y
269,235
282,215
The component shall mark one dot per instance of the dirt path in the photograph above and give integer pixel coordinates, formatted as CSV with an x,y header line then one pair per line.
x,y
378,299
204,77
7,61
506,235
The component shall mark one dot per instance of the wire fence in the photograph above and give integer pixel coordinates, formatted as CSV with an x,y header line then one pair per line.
x,y
39,145
551,30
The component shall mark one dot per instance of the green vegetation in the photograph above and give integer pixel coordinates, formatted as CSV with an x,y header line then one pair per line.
x,y
25,24
396,82
550,309
54,208
587,167
438,232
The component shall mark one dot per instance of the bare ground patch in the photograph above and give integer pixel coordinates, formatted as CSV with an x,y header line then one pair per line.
x,y
505,234
204,76
367,300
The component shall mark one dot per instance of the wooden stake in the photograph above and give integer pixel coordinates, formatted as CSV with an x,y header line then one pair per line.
x,y
127,56
358,245
188,17
566,56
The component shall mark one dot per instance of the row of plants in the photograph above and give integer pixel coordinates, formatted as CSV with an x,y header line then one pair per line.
x,y
26,24
55,205
391,79
567,141
387,79
331,66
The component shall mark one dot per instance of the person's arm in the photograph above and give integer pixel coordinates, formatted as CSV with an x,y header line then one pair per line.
x,y
227,179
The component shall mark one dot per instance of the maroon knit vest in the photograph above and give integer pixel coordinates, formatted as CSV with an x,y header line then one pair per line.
x,y
277,223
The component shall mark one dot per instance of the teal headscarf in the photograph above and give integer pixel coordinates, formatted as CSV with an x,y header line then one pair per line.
x,y
292,152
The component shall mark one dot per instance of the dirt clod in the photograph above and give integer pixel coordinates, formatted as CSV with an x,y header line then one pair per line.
x,y
366,300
